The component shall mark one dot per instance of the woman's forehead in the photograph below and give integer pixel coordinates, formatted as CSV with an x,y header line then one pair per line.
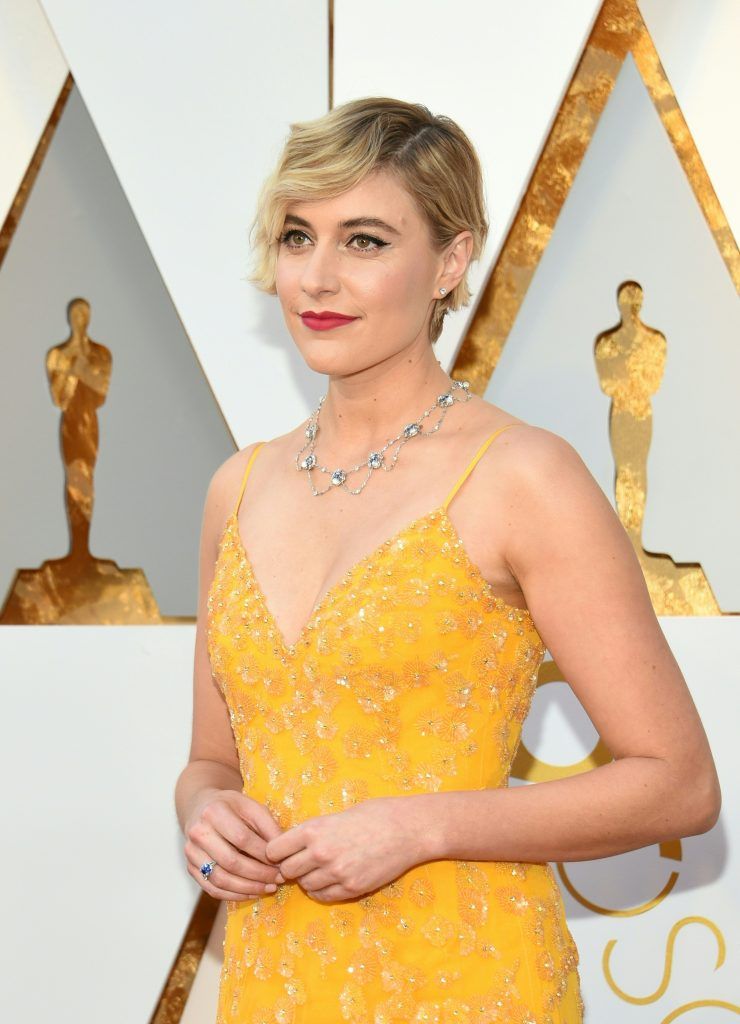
x,y
382,204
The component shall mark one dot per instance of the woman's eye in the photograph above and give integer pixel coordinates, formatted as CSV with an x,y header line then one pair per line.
x,y
288,235
375,243
369,242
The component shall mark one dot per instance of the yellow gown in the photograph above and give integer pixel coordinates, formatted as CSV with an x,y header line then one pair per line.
x,y
411,676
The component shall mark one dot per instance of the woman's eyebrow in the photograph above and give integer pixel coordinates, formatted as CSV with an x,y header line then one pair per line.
x,y
355,222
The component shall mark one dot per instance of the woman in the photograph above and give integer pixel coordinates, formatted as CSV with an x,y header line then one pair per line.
x,y
364,663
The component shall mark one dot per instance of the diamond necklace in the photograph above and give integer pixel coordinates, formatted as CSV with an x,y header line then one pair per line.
x,y
376,459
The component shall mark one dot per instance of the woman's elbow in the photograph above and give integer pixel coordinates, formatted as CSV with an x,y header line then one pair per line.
x,y
706,804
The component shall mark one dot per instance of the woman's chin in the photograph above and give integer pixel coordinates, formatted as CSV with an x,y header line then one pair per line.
x,y
320,359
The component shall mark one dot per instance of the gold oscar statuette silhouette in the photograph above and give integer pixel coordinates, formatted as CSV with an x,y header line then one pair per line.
x,y
79,588
630,361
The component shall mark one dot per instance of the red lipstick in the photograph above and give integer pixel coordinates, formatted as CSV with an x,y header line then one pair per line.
x,y
326,320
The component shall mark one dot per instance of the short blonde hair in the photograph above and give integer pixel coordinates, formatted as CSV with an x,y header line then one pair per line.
x,y
429,153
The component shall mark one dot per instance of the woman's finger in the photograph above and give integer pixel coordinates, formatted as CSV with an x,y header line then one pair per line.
x,y
217,892
330,894
221,880
313,880
297,865
241,849
203,834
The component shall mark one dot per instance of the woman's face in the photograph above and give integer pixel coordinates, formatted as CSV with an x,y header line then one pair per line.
x,y
383,275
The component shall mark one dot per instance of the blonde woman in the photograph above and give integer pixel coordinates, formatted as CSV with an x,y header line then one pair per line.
x,y
370,629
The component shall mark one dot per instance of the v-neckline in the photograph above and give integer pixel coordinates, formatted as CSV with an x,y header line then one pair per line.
x,y
439,513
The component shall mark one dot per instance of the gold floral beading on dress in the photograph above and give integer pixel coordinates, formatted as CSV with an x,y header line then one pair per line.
x,y
411,676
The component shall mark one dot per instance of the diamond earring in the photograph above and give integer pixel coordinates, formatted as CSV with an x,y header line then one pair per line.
x,y
442,291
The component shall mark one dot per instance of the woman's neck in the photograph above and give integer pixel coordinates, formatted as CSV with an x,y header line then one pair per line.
x,y
368,412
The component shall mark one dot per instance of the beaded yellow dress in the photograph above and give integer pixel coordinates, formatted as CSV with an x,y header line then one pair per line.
x,y
411,676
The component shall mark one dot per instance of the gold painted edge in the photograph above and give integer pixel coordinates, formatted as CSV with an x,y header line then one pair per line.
x,y
171,1003
34,166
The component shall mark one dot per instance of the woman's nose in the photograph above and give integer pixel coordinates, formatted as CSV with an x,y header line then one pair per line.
x,y
320,268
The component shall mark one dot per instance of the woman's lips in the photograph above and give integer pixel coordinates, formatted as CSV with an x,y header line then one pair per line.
x,y
326,323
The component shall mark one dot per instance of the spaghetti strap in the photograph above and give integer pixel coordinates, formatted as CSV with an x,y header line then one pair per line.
x,y
474,460
250,460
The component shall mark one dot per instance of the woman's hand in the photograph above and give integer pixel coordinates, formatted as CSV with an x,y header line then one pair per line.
x,y
351,852
232,829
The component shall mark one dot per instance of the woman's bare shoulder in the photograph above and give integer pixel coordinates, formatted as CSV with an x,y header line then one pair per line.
x,y
226,480
223,491
227,477
540,456
538,444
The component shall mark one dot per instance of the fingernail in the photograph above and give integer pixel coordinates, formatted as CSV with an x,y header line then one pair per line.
x,y
270,887
279,877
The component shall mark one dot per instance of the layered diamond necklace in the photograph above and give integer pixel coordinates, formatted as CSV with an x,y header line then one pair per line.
x,y
376,459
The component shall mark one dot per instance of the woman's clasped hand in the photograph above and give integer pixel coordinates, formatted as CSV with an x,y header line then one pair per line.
x,y
336,856
348,853
233,830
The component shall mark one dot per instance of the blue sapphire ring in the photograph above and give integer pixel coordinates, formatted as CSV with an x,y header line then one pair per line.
x,y
207,868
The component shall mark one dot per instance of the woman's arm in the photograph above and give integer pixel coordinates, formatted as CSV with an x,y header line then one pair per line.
x,y
213,763
220,823
587,595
